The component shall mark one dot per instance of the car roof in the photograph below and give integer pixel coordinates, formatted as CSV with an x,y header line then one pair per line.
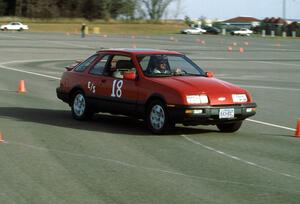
x,y
139,51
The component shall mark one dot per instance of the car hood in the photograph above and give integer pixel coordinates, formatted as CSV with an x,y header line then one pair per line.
x,y
218,91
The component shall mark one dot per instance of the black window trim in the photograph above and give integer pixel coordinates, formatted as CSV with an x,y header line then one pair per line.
x,y
80,71
97,60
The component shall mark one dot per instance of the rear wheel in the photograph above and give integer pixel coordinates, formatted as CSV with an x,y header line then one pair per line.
x,y
79,106
230,127
157,117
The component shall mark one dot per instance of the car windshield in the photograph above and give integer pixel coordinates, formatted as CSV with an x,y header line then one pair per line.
x,y
168,65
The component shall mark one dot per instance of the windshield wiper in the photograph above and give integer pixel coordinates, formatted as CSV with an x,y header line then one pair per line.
x,y
186,74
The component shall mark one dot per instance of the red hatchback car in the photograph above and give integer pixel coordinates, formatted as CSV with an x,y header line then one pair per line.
x,y
161,87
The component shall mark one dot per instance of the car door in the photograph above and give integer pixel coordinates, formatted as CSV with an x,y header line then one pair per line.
x,y
94,83
15,26
122,94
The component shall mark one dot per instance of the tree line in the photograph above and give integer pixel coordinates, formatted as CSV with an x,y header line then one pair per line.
x,y
89,9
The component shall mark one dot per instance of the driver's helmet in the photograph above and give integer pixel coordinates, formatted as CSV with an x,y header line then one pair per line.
x,y
161,61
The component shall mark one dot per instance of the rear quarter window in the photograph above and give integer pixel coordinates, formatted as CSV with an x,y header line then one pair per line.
x,y
82,66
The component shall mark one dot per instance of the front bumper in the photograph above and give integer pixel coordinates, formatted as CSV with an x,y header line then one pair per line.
x,y
209,115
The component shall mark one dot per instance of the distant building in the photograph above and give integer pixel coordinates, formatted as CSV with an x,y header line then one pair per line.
x,y
275,21
242,22
279,25
289,21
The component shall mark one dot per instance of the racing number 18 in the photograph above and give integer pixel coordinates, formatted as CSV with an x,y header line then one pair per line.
x,y
116,88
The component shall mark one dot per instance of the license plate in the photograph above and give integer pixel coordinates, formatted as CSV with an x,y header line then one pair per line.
x,y
226,113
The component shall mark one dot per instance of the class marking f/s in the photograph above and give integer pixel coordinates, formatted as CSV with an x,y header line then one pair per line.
x,y
92,87
116,90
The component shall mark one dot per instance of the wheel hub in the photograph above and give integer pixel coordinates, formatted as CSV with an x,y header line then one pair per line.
x,y
157,117
79,105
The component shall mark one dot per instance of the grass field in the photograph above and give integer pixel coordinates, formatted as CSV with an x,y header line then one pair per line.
x,y
120,27
109,28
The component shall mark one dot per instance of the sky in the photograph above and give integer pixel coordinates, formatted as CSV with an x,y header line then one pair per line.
x,y
225,9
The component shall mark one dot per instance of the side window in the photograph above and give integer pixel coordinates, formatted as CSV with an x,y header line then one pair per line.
x,y
82,66
144,62
99,66
118,65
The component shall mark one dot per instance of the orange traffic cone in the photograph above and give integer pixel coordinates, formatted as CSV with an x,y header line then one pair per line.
x,y
297,133
229,49
22,88
1,138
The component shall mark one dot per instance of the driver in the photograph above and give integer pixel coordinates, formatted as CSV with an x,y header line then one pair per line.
x,y
161,68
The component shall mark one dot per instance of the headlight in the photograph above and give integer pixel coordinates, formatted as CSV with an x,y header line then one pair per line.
x,y
197,99
239,98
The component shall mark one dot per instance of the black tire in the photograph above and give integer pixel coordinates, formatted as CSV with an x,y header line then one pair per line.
x,y
21,29
230,127
79,106
157,118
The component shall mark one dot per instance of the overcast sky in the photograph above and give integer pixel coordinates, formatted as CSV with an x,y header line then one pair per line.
x,y
224,9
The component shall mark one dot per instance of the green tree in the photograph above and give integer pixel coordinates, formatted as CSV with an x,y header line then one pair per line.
x,y
3,5
155,8
188,21
124,8
9,7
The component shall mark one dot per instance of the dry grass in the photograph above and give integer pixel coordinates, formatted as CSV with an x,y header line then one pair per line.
x,y
122,28
117,27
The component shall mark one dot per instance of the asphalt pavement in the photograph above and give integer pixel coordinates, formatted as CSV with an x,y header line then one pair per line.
x,y
47,157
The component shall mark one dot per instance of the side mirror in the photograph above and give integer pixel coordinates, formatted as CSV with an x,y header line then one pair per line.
x,y
209,74
129,75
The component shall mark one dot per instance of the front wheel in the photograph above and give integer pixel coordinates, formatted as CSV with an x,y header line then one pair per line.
x,y
230,127
157,117
79,107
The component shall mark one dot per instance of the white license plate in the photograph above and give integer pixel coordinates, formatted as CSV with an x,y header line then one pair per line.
x,y
226,113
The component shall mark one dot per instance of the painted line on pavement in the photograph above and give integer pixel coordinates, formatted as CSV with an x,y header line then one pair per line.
x,y
12,36
37,60
270,124
151,169
262,61
276,63
268,87
239,159
71,44
28,72
3,66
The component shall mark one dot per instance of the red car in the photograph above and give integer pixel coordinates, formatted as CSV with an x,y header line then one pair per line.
x,y
162,87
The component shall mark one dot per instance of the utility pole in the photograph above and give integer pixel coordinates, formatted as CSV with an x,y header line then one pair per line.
x,y
284,9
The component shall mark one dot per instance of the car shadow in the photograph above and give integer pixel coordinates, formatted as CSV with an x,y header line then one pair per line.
x,y
115,124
